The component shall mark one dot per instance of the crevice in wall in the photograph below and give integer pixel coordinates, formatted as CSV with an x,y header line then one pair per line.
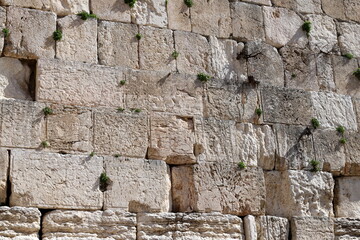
x,y
43,213
8,181
32,79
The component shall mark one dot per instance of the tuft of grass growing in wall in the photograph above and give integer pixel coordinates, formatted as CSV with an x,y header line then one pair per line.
x,y
136,110
6,32
175,54
306,27
348,56
104,181
57,35
47,111
188,3
91,154
241,165
356,73
116,155
315,123
138,36
340,129
315,165
45,144
202,77
343,140
120,109
293,75
85,15
122,82
258,112
131,3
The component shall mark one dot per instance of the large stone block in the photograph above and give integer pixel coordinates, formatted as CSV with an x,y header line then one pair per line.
x,y
80,225
176,226
349,38
19,223
218,187
299,193
352,8
4,167
347,228
346,82
111,10
303,6
270,227
138,185
352,146
79,41
2,25
334,8
325,72
150,12
30,33
347,199
78,84
178,15
117,44
52,180
303,228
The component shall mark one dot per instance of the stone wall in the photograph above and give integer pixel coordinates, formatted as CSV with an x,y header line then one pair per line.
x,y
220,120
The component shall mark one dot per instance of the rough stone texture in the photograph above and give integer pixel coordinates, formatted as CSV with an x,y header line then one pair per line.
x,y
352,8
19,223
215,187
356,102
352,165
117,44
282,26
79,225
156,48
2,25
121,133
4,166
303,228
250,227
325,72
211,18
286,106
79,40
299,193
271,228
78,84
138,185
349,38
172,139
346,82
169,226
22,41
347,228
347,200
111,10
52,180
334,8
261,2
303,6
150,12
178,15
247,21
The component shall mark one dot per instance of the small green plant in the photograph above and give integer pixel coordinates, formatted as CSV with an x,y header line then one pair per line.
x,y
348,56
138,36
258,112
120,109
340,129
166,2
6,32
122,82
306,27
104,181
315,165
85,15
202,77
357,73
131,3
47,111
188,3
117,155
91,154
343,140
293,75
57,35
315,123
137,110
175,54
45,144
241,165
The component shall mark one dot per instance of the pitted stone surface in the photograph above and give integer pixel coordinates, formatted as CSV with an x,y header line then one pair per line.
x,y
52,180
347,200
303,6
347,228
178,15
303,228
271,228
352,8
334,8
4,167
261,2
2,25
111,10
325,72
352,146
346,82
150,12
349,38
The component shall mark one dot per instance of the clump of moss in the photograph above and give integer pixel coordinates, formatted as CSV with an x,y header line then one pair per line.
x,y
241,165
6,32
175,54
131,3
85,15
202,77
120,109
104,181
258,112
138,36
57,35
315,123
315,165
188,3
348,56
306,27
343,140
45,144
357,73
340,129
47,111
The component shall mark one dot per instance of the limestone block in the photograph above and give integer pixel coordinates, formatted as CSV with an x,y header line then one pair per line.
x,y
117,44
303,6
111,10
325,73
347,228
282,26
156,48
14,79
295,147
52,180
218,187
168,226
4,167
62,224
250,227
30,33
150,12
138,185
120,133
172,139
270,227
352,165
211,18
79,41
299,193
352,8
70,129
22,124
261,2
349,38
346,82
286,106
2,25
356,102
303,228
323,36
247,21
178,15
333,110
347,199
195,53
76,83
19,223
334,8
264,64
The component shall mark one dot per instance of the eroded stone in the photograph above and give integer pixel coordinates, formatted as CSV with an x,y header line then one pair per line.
x,y
150,12
347,228
178,15
309,228
4,166
270,227
334,8
346,82
303,6
112,10
349,38
347,199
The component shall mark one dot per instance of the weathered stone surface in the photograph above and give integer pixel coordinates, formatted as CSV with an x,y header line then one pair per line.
x,y
156,48
325,72
346,82
261,2
347,199
150,12
352,146
52,180
250,227
22,41
178,15
303,228
138,185
121,133
112,10
19,223
299,193
269,228
78,84
356,102
211,18
195,53
334,8
352,8
61,224
2,25
4,167
347,228
247,21
286,106
79,41
303,6
282,26
22,124
349,38
117,44
218,187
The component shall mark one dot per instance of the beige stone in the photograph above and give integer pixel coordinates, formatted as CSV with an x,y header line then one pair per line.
x,y
261,2
352,8
156,48
346,82
303,6
78,84
168,226
138,185
349,38
303,228
347,228
19,223
80,225
150,12
30,33
4,166
218,187
299,193
52,180
271,228
356,102
178,15
334,8
325,72
111,10
347,199
117,44
250,227
247,21
2,26
352,146
79,39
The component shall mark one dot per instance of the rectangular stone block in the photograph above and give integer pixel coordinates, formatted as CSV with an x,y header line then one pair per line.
x,y
346,82
52,180
288,193
347,228
334,8
347,198
352,149
176,226
303,228
349,37
271,228
303,6
78,84
150,12
111,10
218,187
178,15
352,8
4,167
80,225
137,185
